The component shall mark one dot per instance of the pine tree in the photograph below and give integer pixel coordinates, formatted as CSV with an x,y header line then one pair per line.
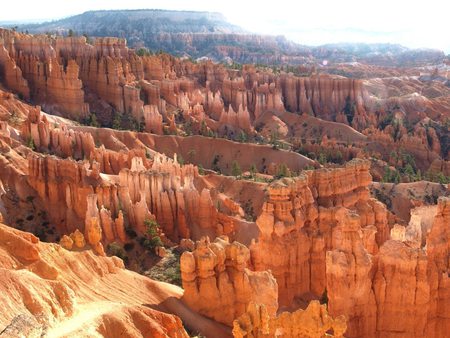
x,y
236,169
253,170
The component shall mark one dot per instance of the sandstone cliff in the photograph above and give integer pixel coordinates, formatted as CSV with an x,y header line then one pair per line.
x,y
298,222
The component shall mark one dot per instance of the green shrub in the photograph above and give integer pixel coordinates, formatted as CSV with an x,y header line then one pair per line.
x,y
152,239
349,109
282,171
30,143
114,249
143,52
236,169
201,170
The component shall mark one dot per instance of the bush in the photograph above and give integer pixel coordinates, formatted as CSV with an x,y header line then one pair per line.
x,y
180,159
30,143
322,158
131,233
114,249
349,109
282,171
143,52
236,169
128,246
117,121
152,239
242,137
391,176
215,163
201,170
92,120
253,170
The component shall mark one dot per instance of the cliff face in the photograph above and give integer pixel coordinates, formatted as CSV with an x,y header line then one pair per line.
x,y
51,82
59,140
320,231
166,192
323,232
326,97
11,74
437,244
298,222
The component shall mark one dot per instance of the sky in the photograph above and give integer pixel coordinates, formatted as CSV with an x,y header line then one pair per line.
x,y
413,23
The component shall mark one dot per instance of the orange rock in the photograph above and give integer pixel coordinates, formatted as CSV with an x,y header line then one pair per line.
x,y
153,119
313,322
405,291
438,247
218,284
78,239
66,242
20,245
239,120
57,284
324,96
107,224
12,75
297,224
92,228
120,227
348,269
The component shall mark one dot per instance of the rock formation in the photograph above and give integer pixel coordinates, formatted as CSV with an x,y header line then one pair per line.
x,y
92,228
298,221
239,120
314,321
12,75
437,247
153,119
348,268
165,192
324,96
218,284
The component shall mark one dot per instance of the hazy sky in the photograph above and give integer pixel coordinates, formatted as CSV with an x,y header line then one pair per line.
x,y
412,23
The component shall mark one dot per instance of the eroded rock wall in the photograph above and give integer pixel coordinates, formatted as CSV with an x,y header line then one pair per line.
x,y
218,284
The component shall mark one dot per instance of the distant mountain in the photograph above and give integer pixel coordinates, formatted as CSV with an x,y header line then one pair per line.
x,y
206,34
138,24
382,54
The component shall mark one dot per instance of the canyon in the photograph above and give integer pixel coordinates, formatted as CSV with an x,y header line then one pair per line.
x,y
286,205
